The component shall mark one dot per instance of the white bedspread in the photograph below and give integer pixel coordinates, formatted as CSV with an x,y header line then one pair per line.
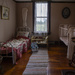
x,y
15,43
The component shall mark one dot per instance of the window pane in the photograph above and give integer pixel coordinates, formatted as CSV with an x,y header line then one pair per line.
x,y
41,16
41,9
41,25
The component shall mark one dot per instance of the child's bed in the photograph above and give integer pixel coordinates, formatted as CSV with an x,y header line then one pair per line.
x,y
66,33
15,47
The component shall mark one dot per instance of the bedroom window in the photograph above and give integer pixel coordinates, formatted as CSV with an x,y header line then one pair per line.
x,y
41,17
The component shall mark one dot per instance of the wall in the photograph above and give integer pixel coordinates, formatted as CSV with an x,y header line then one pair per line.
x,y
29,14
56,17
7,27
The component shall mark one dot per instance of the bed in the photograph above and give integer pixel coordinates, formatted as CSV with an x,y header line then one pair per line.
x,y
15,47
66,33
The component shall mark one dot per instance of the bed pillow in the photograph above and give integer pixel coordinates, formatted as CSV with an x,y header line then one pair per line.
x,y
22,33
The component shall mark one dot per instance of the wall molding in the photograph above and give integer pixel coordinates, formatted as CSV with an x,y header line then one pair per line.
x,y
14,0
23,1
44,0
62,1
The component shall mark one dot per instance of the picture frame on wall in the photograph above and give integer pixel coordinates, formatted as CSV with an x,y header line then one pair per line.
x,y
5,13
66,12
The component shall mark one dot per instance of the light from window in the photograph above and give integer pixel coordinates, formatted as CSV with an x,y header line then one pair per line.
x,y
40,25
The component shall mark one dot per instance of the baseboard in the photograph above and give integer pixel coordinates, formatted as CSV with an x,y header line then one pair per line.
x,y
53,42
42,45
56,43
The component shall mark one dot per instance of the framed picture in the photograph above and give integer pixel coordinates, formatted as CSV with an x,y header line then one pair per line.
x,y
66,12
5,13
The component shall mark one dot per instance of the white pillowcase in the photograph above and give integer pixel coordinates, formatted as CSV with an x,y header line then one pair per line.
x,y
22,33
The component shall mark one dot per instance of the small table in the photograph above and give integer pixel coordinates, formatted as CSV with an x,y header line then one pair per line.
x,y
40,39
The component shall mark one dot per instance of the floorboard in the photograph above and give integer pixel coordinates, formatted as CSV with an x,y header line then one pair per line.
x,y
57,62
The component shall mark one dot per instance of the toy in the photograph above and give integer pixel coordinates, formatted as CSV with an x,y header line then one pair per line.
x,y
34,46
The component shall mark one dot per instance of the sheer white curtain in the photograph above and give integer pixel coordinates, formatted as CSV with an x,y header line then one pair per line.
x,y
41,18
24,16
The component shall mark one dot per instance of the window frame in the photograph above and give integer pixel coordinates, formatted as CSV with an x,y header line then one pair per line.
x,y
48,16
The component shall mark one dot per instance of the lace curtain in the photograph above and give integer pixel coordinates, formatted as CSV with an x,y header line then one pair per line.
x,y
41,18
24,16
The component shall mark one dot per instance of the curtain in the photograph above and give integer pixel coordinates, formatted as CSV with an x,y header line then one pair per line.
x,y
41,18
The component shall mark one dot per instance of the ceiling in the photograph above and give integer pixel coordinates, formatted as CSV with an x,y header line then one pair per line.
x,y
22,0
44,0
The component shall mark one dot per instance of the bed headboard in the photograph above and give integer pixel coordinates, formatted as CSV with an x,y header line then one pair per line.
x,y
26,29
23,31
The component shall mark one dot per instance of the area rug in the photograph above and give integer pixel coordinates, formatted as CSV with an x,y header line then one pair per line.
x,y
35,71
37,55
40,53
32,57
37,64
38,61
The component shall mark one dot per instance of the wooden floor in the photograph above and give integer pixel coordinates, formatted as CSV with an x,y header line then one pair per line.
x,y
57,62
